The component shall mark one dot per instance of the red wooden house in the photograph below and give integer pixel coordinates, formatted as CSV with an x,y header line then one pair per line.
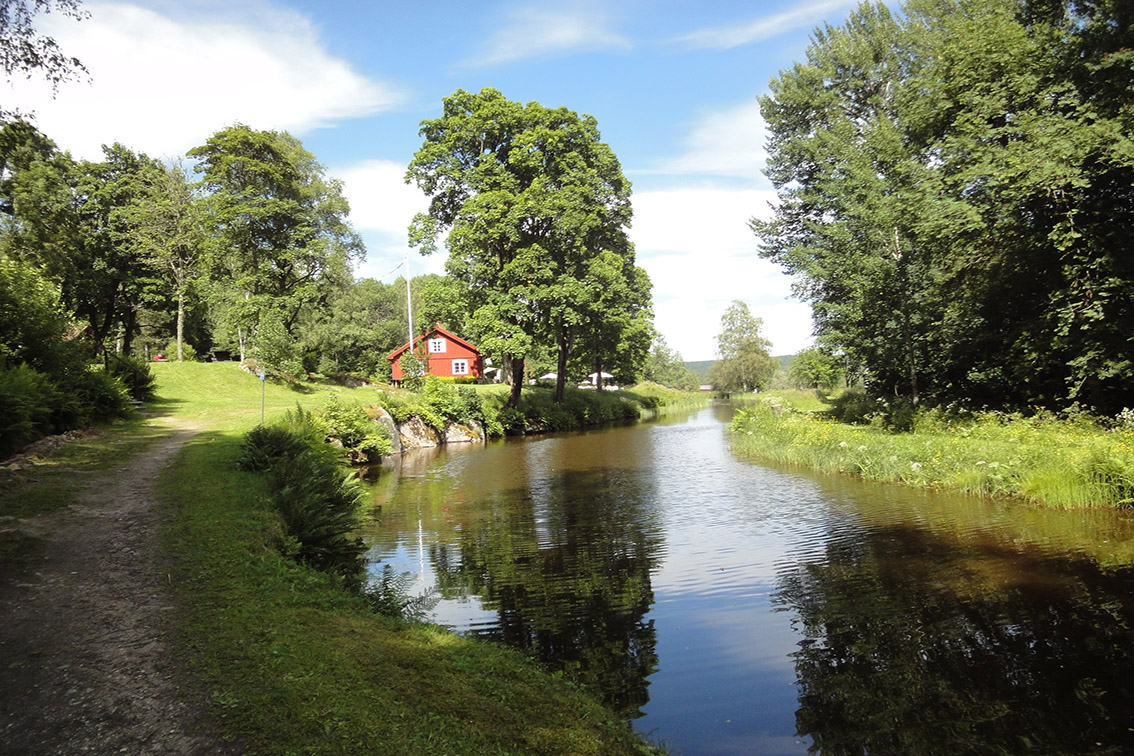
x,y
448,355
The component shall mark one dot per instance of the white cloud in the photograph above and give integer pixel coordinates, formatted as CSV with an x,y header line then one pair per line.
x,y
379,197
381,208
727,142
548,32
734,35
696,245
162,85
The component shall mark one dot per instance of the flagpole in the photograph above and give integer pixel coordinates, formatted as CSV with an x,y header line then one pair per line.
x,y
409,307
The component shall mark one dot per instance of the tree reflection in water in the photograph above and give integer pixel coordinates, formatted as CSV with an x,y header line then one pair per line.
x,y
568,575
912,645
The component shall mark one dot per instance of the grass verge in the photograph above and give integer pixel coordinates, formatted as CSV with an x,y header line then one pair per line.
x,y
1043,459
298,665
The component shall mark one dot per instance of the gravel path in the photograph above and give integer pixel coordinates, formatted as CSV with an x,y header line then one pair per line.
x,y
85,663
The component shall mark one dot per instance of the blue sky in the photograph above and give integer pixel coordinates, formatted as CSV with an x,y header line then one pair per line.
x,y
672,84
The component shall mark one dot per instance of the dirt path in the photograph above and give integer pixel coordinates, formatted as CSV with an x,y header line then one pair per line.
x,y
85,665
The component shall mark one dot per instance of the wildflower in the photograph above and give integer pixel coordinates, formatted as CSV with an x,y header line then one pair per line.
x,y
916,466
981,462
862,448
842,444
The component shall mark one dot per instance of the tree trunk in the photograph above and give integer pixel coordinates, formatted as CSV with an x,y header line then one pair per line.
x,y
598,374
180,323
517,381
561,370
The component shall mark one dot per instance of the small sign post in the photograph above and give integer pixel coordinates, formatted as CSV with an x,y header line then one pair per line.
x,y
262,378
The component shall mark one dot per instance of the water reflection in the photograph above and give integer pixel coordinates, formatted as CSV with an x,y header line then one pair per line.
x,y
556,545
738,609
568,577
914,644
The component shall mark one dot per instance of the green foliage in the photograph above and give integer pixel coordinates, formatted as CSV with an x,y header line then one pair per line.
x,y
815,368
363,439
265,446
316,498
33,323
319,503
135,374
666,367
537,208
29,401
743,362
415,368
1056,461
279,241
99,396
277,351
390,596
953,182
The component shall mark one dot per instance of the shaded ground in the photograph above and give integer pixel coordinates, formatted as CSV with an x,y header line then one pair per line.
x,y
85,622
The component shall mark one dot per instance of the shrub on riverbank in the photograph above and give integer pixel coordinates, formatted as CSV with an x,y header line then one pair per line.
x,y
1044,459
317,499
296,664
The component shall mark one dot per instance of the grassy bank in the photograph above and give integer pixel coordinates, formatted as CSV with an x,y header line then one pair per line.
x,y
295,664
1043,459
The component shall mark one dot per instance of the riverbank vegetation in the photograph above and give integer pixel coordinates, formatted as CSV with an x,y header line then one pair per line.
x,y
1065,460
295,660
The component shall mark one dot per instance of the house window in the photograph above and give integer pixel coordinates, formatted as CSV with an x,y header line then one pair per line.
x,y
460,367
436,346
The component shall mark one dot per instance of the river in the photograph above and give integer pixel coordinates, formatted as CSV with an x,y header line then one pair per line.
x,y
731,608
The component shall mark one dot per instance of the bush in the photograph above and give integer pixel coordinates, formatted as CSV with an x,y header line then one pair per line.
x,y
136,376
28,403
854,406
316,499
99,396
364,439
266,445
319,503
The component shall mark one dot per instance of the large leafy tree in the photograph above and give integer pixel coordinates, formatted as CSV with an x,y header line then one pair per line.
x,y
73,220
530,196
743,362
951,184
280,240
169,231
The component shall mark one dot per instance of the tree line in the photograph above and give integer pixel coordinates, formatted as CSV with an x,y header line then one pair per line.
x,y
245,246
956,181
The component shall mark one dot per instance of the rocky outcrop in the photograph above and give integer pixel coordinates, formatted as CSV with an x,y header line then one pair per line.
x,y
379,414
458,433
415,434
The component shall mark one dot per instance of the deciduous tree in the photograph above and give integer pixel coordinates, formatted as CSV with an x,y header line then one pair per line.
x,y
280,240
530,195
743,362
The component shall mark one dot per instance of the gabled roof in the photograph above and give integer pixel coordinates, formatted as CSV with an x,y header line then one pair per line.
x,y
435,328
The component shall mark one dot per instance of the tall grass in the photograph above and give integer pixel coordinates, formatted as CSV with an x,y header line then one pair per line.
x,y
1043,459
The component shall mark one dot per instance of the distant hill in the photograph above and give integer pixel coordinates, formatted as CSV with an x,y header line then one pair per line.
x,y
702,368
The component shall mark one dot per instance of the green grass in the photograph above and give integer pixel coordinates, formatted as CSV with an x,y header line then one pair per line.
x,y
297,665
1041,459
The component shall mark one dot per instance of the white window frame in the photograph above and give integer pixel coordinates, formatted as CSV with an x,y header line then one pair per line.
x,y
460,367
437,346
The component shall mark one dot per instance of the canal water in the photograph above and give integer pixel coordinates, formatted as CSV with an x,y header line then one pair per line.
x,y
731,608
